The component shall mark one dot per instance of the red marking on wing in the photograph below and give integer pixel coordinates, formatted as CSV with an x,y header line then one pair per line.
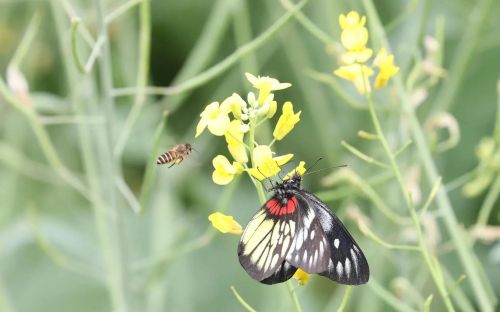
x,y
274,206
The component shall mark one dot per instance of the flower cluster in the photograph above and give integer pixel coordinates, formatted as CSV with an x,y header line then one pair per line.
x,y
354,38
239,133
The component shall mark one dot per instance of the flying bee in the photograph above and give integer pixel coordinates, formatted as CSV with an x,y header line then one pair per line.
x,y
175,155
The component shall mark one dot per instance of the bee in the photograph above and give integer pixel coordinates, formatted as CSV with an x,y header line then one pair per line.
x,y
175,155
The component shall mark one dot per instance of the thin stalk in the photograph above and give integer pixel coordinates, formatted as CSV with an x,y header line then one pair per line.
x,y
293,296
388,297
347,294
251,144
122,9
26,41
489,203
243,303
397,173
151,172
142,77
466,255
464,53
363,156
116,262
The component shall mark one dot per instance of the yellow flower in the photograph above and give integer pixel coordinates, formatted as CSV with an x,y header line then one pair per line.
x,y
286,122
234,138
352,20
215,117
224,172
265,85
224,223
300,169
265,164
236,104
385,62
358,74
301,277
354,38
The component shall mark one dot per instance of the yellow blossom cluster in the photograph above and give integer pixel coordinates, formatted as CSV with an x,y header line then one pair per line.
x,y
239,131
354,38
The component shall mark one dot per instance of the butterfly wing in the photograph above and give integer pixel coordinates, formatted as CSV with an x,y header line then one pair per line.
x,y
347,263
266,241
283,274
310,249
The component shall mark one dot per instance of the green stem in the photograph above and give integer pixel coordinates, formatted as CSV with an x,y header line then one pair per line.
x,y
142,77
243,303
466,255
397,173
293,295
251,145
464,53
489,203
347,294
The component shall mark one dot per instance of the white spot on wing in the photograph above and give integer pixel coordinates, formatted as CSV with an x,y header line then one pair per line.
x,y
339,269
355,260
336,243
347,267
312,234
275,260
304,258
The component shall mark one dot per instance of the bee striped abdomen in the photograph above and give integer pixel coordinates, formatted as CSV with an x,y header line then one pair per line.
x,y
166,158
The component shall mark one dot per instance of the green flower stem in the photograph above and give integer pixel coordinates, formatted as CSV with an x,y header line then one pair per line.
x,y
489,203
433,268
75,22
293,295
26,41
151,172
44,140
98,162
388,297
251,144
369,233
466,255
216,70
347,294
363,156
243,303
122,9
142,77
463,55
309,25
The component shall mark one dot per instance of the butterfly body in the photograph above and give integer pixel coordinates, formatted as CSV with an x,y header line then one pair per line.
x,y
176,155
295,229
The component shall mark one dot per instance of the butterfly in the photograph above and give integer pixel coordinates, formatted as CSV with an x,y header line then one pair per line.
x,y
295,229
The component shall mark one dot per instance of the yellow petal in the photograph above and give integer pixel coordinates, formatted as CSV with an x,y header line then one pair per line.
x,y
225,223
218,125
221,164
272,109
261,154
300,169
238,151
286,122
202,124
222,178
301,276
281,160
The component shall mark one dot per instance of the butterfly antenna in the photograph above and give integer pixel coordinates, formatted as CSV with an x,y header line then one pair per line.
x,y
268,178
315,163
327,168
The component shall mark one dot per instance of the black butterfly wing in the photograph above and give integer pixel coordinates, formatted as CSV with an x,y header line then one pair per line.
x,y
347,263
283,274
310,249
266,241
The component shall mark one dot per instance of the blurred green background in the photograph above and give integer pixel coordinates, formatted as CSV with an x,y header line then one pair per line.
x,y
88,226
